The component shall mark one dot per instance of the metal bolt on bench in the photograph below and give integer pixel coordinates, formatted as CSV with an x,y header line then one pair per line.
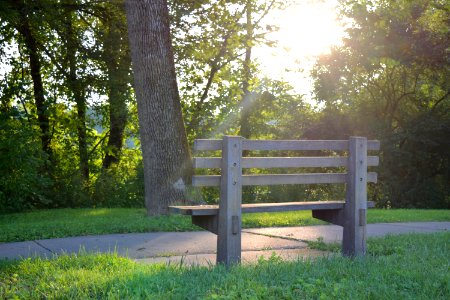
x,y
225,219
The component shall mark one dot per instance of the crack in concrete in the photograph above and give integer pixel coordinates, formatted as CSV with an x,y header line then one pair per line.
x,y
280,237
42,246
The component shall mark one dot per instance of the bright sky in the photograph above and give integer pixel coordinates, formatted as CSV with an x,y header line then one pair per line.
x,y
307,29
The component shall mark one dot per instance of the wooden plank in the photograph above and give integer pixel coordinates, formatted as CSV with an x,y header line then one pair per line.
x,y
373,145
291,206
293,162
354,233
372,177
282,162
373,161
279,179
207,162
205,145
303,145
338,145
295,145
229,227
195,210
210,210
206,180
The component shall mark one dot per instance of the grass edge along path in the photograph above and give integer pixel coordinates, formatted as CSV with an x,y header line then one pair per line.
x,y
45,224
413,266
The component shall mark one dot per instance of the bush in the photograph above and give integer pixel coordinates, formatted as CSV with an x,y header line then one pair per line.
x,y
23,179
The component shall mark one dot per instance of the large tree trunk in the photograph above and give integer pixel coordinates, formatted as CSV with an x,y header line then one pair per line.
x,y
163,137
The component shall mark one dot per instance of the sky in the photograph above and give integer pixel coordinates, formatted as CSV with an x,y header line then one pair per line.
x,y
306,29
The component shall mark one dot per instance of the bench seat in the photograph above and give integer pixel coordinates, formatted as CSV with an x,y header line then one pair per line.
x,y
212,210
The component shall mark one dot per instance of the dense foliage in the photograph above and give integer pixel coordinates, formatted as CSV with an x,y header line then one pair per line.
x,y
68,118
391,80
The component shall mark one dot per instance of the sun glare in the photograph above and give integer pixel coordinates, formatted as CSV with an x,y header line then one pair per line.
x,y
306,30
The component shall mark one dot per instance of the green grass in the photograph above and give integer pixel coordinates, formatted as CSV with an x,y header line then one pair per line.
x,y
402,267
75,222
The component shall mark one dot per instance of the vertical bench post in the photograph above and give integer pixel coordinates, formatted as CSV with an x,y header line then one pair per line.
x,y
229,229
355,210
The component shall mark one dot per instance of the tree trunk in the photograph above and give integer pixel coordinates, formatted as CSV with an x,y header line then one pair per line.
x,y
31,44
117,59
163,138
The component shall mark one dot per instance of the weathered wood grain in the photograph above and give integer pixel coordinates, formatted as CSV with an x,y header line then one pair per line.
x,y
281,162
225,219
229,226
354,235
279,179
294,145
210,210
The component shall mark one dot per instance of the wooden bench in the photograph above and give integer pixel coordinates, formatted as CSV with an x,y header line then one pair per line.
x,y
225,219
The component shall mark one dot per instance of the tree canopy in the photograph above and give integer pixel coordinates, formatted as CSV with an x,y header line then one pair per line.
x,y
69,129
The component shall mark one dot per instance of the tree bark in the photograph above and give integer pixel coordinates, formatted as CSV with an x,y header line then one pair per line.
x,y
163,138
24,28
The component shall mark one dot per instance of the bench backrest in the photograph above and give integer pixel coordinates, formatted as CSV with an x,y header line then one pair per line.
x,y
232,160
228,222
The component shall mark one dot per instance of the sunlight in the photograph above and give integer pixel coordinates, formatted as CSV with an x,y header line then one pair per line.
x,y
306,30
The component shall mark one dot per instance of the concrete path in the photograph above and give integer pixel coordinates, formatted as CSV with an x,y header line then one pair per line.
x,y
199,247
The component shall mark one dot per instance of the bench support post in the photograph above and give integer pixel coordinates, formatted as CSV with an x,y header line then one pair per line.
x,y
229,225
354,236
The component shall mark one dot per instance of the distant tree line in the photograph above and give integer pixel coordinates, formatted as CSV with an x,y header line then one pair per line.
x,y
66,72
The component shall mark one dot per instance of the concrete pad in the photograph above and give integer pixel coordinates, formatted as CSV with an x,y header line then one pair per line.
x,y
22,250
248,257
142,245
333,233
183,244
329,233
381,229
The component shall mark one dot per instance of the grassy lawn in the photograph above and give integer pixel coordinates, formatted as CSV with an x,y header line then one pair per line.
x,y
402,267
73,222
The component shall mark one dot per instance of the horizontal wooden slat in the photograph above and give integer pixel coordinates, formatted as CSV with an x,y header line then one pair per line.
x,y
372,177
373,145
206,180
207,162
204,145
337,145
293,162
373,161
209,210
280,179
294,145
281,162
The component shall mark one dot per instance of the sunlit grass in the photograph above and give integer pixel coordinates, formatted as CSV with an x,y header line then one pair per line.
x,y
402,267
45,224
